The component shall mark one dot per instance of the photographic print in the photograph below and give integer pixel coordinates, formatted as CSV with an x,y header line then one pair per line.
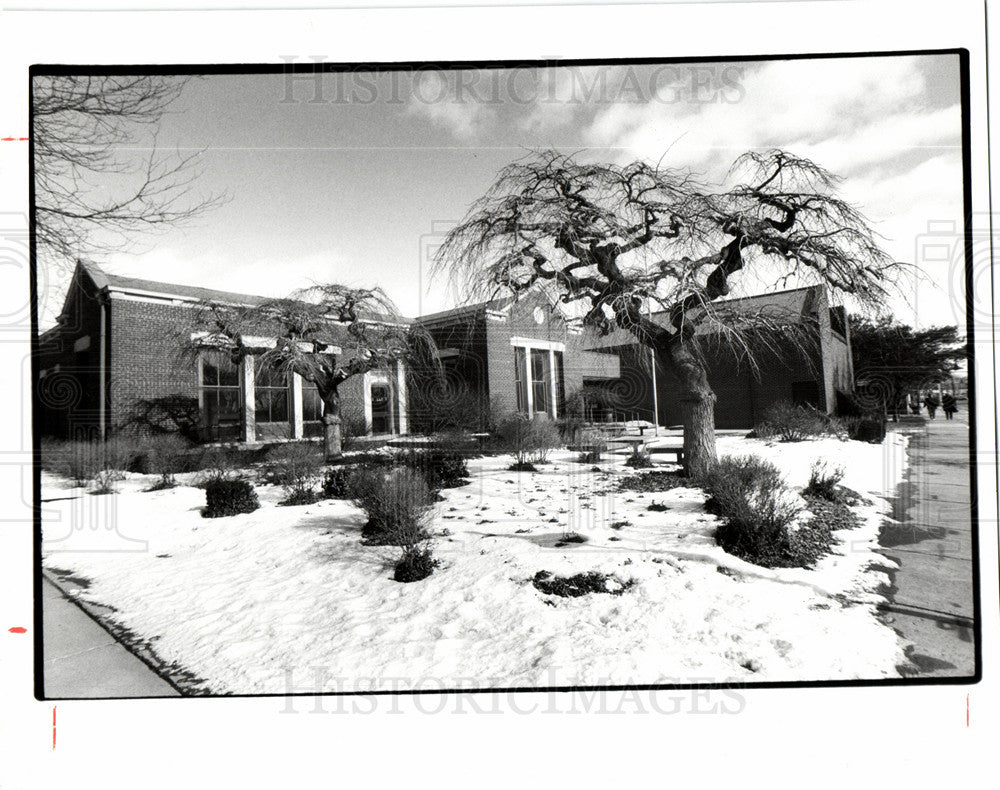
x,y
442,376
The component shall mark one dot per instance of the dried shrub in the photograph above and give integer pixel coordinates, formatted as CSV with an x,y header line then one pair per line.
x,y
791,423
824,481
528,440
639,459
579,584
441,468
757,509
296,467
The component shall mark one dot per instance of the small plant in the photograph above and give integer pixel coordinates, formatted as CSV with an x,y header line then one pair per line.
x,y
218,464
296,468
657,507
104,481
163,455
793,423
415,564
639,459
528,440
823,481
226,497
592,446
866,428
337,483
757,509
441,468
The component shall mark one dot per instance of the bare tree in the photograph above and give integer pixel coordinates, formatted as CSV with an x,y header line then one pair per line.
x,y
650,250
99,177
326,334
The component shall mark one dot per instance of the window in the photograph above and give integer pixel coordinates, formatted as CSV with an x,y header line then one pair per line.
x,y
521,378
541,381
312,404
538,379
270,394
220,397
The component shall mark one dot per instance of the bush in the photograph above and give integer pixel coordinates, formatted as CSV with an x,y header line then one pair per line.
x,y
229,498
337,483
528,440
639,459
757,509
791,423
441,468
823,481
396,504
414,565
866,428
217,464
296,468
105,479
592,446
164,455
579,584
80,460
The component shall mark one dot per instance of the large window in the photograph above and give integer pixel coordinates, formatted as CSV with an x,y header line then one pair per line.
x,y
538,380
271,394
220,397
312,410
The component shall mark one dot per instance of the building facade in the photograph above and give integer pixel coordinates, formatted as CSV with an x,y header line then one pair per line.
x,y
117,358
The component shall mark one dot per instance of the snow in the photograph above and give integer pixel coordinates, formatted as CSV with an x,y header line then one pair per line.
x,y
288,599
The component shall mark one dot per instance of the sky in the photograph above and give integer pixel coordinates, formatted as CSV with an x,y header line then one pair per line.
x,y
355,178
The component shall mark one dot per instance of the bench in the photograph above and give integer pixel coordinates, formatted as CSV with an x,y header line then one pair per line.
x,y
676,452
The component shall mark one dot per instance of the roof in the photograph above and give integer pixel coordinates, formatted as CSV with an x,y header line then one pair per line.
x,y
793,302
115,282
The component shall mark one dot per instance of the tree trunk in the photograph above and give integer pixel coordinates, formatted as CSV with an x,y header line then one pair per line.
x,y
332,435
698,404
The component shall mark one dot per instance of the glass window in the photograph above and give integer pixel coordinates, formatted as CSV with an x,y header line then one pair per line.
x,y
521,378
560,384
541,381
271,392
220,397
312,404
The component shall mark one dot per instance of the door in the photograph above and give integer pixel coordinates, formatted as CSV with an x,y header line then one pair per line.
x,y
381,409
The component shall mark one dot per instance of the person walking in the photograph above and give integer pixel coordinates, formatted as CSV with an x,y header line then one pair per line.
x,y
931,402
914,404
949,405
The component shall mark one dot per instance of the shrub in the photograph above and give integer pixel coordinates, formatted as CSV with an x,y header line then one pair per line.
x,y
791,423
164,455
81,460
396,504
592,446
441,468
868,428
415,564
528,440
219,463
296,468
337,483
823,481
352,428
757,509
229,498
105,479
639,459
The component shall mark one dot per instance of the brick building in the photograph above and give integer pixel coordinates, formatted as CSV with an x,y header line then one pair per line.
x,y
117,349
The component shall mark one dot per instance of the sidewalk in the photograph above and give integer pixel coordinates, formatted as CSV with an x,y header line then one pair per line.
x,y
83,661
931,600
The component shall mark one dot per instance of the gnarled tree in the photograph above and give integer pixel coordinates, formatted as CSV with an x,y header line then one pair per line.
x,y
651,250
326,334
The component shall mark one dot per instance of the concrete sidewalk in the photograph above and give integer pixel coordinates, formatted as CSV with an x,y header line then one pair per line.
x,y
84,661
931,599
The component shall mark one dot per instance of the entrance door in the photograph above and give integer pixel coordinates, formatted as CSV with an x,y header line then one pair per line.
x,y
381,409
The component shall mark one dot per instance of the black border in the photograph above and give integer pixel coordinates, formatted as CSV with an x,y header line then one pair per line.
x,y
38,70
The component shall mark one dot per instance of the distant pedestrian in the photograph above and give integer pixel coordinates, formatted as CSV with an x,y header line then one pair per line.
x,y
931,402
914,404
948,405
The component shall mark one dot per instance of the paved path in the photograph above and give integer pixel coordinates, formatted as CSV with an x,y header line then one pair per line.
x,y
82,660
932,596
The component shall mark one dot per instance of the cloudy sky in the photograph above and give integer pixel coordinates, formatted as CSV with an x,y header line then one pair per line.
x,y
355,178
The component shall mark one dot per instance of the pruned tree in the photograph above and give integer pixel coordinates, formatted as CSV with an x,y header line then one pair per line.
x,y
650,251
99,177
892,359
326,334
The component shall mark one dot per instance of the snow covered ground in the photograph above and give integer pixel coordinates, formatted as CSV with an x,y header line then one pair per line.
x,y
287,598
